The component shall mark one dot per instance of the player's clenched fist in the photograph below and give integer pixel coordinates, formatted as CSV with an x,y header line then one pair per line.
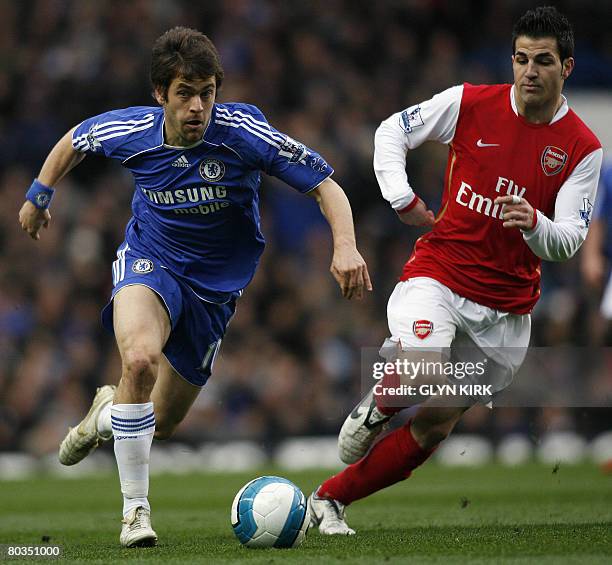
x,y
518,213
351,272
32,219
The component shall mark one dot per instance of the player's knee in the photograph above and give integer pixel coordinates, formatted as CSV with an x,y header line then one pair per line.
x,y
140,364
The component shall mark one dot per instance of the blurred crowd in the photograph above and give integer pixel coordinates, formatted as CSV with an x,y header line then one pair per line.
x,y
326,72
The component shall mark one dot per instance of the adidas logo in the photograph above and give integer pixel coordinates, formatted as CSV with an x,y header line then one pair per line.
x,y
181,162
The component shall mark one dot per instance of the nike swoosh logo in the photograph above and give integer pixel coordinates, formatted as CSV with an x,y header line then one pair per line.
x,y
481,144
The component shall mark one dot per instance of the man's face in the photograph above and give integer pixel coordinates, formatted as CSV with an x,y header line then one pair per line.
x,y
538,70
187,108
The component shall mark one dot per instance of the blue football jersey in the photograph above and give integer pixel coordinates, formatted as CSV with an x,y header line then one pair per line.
x,y
196,208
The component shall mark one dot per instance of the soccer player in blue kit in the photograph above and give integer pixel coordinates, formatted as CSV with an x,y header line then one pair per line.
x,y
191,247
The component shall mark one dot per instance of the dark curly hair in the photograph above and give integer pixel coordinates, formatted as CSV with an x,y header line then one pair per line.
x,y
546,21
184,52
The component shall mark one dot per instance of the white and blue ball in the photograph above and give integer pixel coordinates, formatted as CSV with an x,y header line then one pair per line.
x,y
270,512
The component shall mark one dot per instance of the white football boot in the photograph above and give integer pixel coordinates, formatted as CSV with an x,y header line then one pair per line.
x,y
361,427
136,530
328,515
82,440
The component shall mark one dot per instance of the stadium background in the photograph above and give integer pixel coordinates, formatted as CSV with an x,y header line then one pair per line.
x,y
326,73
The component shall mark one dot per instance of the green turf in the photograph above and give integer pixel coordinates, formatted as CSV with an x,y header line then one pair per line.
x,y
490,514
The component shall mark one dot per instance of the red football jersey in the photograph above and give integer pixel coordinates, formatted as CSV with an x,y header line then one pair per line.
x,y
495,152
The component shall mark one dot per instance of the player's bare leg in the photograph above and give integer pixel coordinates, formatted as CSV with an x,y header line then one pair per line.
x,y
172,397
142,327
389,461
431,425
148,379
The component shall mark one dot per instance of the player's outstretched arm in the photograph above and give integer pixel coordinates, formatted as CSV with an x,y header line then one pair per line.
x,y
34,213
348,267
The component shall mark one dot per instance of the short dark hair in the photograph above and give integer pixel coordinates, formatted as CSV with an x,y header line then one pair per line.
x,y
184,52
546,21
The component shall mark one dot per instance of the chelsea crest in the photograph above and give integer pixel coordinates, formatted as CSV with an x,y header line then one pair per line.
x,y
142,266
212,170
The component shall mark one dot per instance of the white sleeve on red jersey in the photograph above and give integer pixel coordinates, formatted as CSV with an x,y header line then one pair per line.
x,y
432,120
559,240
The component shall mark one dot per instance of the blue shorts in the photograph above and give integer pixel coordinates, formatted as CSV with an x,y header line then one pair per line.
x,y
197,326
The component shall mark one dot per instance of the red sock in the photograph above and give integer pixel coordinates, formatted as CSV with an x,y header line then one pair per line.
x,y
384,402
391,460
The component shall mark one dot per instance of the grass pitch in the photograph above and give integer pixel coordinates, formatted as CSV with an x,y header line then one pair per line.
x,y
492,514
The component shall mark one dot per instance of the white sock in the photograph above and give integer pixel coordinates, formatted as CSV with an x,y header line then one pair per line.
x,y
103,423
133,427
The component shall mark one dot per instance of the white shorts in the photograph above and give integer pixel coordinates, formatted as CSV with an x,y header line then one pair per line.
x,y
424,314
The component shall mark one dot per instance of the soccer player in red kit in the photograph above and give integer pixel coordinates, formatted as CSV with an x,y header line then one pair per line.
x,y
518,156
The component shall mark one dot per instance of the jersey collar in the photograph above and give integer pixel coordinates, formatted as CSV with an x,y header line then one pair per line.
x,y
561,112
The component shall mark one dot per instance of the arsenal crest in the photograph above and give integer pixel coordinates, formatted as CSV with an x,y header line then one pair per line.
x,y
422,328
553,160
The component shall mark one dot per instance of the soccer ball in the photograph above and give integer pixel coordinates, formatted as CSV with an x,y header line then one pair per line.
x,y
270,512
